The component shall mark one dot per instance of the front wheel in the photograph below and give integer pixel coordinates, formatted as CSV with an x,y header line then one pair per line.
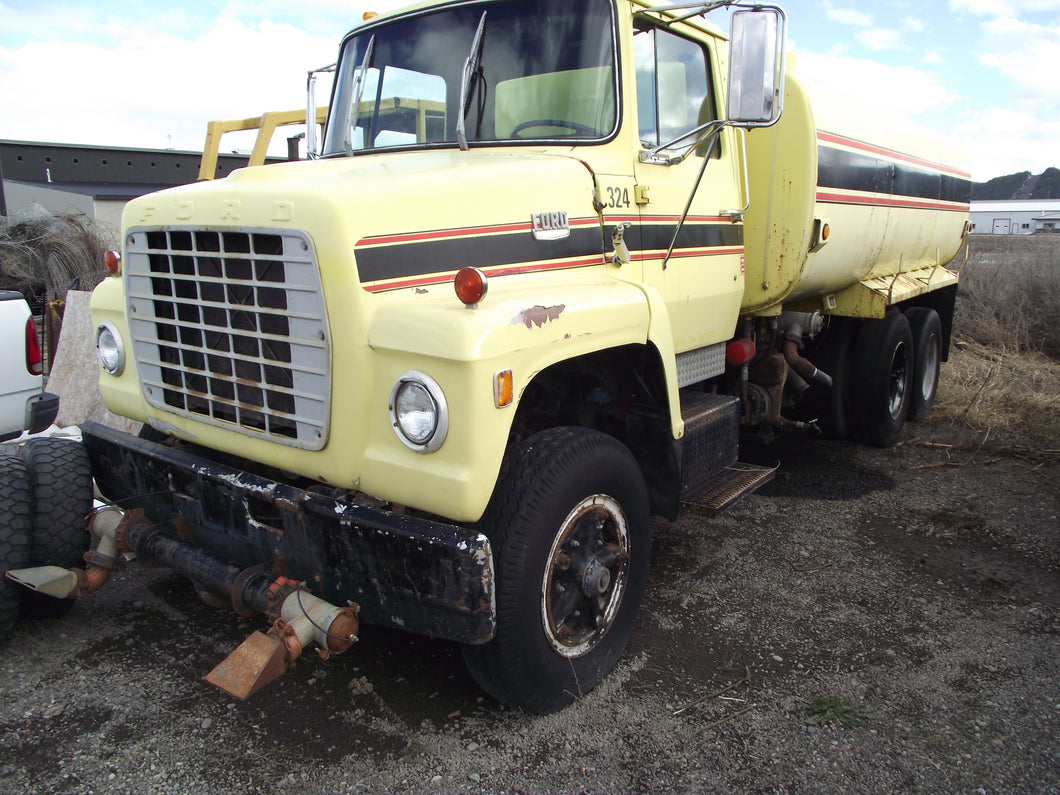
x,y
569,524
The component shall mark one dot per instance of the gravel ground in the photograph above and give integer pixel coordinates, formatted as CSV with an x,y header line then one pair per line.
x,y
873,620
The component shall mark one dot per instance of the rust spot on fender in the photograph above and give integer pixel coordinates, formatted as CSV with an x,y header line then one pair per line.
x,y
539,315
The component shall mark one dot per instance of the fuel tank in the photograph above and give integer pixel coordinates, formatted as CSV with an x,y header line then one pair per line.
x,y
893,199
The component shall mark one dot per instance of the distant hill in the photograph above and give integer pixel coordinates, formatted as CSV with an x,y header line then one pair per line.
x,y
1023,185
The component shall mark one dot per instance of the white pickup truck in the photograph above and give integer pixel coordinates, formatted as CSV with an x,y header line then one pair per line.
x,y
23,404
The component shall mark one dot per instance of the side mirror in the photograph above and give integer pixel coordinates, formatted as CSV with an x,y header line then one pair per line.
x,y
756,67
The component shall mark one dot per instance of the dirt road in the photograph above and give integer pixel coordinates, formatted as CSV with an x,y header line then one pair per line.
x,y
912,595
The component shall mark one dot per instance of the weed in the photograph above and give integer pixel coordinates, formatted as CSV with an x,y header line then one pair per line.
x,y
835,710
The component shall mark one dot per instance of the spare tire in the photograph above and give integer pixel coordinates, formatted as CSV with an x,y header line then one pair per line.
x,y
61,489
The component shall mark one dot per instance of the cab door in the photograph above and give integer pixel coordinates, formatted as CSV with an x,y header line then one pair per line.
x,y
702,280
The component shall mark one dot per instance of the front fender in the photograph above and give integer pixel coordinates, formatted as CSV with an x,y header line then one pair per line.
x,y
524,325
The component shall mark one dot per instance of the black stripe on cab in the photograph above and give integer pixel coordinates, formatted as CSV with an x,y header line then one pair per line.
x,y
421,258
402,260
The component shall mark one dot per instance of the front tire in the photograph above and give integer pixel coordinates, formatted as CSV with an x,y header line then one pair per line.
x,y
570,529
881,380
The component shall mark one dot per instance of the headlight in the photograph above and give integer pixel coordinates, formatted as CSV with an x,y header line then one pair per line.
x,y
110,349
418,412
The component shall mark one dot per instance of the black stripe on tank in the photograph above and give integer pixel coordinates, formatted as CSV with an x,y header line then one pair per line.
x,y
838,168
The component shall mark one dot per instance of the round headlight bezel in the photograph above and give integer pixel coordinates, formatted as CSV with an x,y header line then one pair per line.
x,y
409,385
115,364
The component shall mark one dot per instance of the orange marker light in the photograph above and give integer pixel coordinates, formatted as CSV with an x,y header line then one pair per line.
x,y
112,262
503,389
369,15
470,285
826,230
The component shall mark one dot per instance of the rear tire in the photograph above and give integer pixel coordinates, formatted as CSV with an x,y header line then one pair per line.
x,y
61,490
881,377
15,524
828,405
927,354
569,525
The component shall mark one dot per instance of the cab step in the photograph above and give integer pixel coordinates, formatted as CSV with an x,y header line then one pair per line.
x,y
731,486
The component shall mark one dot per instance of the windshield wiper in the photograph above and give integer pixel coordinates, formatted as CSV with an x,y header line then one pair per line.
x,y
470,67
358,92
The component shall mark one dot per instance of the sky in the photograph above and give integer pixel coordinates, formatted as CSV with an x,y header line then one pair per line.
x,y
145,74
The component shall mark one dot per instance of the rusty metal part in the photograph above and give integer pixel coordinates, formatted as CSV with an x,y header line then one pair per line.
x,y
770,374
278,591
802,366
261,658
286,634
405,571
257,661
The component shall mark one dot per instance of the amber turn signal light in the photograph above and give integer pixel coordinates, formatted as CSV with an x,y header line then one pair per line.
x,y
503,389
112,262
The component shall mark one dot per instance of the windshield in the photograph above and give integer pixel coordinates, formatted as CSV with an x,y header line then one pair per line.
x,y
540,70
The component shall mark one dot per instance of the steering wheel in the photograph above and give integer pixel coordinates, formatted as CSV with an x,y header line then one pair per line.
x,y
579,129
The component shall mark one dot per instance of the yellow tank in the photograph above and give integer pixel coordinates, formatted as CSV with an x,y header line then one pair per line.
x,y
849,211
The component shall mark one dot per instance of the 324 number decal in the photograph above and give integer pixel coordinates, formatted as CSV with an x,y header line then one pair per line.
x,y
617,197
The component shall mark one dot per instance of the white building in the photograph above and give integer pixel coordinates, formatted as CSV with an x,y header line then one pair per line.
x,y
1016,217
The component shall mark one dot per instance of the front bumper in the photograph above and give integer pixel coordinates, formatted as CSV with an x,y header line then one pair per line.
x,y
416,574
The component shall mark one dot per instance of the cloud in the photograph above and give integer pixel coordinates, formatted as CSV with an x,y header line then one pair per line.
x,y
1002,141
158,88
848,16
880,39
906,88
1024,53
1004,7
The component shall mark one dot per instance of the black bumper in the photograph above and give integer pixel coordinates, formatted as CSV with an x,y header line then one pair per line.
x,y
416,574
41,412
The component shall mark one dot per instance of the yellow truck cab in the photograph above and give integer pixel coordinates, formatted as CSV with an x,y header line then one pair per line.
x,y
550,262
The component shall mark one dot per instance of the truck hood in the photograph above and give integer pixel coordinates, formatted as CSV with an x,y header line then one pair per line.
x,y
410,217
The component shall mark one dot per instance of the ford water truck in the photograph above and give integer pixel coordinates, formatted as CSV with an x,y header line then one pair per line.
x,y
551,263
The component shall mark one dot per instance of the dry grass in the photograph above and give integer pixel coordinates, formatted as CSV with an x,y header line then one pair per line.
x,y
44,255
1009,291
1010,399
1003,378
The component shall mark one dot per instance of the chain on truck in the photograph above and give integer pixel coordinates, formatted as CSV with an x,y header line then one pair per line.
x,y
551,262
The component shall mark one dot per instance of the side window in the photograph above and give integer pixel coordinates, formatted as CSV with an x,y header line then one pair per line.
x,y
673,86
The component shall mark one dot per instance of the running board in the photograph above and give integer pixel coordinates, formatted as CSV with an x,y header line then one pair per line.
x,y
731,486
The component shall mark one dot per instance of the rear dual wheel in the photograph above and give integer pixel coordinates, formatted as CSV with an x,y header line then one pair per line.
x,y
569,526
881,380
927,350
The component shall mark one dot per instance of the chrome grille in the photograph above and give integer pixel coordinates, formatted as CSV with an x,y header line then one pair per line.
x,y
229,328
